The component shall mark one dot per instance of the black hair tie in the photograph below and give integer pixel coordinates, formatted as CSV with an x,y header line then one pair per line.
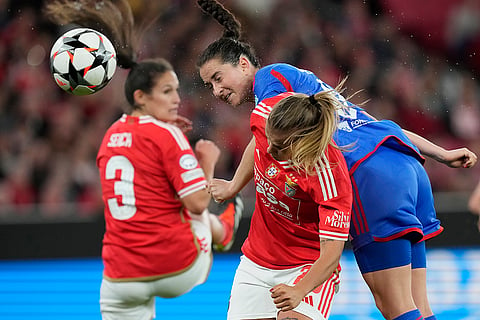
x,y
313,100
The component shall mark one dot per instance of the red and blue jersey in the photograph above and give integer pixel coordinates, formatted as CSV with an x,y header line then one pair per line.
x,y
355,125
293,209
367,142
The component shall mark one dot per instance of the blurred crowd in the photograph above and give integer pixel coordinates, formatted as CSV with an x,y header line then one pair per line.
x,y
49,139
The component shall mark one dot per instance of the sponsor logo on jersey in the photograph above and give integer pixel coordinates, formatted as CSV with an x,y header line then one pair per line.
x,y
192,175
271,198
123,139
343,125
272,171
349,119
359,122
188,162
338,219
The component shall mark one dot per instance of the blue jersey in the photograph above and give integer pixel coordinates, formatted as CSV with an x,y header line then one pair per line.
x,y
381,151
355,125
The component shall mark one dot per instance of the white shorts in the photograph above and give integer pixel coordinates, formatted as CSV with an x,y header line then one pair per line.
x,y
250,296
136,299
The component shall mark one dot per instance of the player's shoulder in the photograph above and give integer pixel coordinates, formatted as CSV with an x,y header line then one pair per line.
x,y
270,102
271,69
162,132
152,124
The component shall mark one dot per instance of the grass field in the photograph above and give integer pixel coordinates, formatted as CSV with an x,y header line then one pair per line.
x,y
68,289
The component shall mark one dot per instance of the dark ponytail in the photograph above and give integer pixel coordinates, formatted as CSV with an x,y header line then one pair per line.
x,y
113,18
228,48
223,16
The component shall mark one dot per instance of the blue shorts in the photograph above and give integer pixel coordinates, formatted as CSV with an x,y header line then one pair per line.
x,y
394,253
392,199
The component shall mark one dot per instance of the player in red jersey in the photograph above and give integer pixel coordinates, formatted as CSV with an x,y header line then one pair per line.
x,y
159,232
290,263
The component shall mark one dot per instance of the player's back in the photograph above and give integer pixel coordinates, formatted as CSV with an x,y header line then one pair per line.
x,y
139,171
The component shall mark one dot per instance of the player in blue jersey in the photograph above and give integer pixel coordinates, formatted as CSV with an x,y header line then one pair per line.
x,y
393,212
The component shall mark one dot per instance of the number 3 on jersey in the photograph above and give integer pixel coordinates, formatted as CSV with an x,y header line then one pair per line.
x,y
124,188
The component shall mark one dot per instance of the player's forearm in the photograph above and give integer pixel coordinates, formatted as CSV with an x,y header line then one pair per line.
x,y
323,268
426,147
244,172
208,170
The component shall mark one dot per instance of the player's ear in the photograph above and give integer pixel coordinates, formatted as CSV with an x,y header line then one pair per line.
x,y
244,63
139,97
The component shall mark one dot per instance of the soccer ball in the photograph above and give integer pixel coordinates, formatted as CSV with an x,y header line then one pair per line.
x,y
82,61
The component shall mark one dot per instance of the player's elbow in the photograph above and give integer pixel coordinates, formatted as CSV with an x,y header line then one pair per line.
x,y
197,202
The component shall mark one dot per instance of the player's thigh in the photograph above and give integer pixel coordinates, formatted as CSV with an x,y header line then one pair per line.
x,y
250,294
289,315
419,278
197,274
126,300
316,304
377,256
386,268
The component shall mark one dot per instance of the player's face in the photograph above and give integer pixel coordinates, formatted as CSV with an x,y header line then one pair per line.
x,y
163,101
230,83
277,147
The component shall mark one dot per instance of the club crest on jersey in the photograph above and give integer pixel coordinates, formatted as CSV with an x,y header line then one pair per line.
x,y
272,171
290,185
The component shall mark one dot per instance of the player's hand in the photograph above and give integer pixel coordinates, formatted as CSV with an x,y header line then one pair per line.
x,y
183,123
458,158
207,153
220,190
286,297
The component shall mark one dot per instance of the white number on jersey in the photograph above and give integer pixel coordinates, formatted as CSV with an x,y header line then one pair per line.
x,y
123,188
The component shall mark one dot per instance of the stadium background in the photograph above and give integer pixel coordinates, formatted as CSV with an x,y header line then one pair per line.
x,y
417,62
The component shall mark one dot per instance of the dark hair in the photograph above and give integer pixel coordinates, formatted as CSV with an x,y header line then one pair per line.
x,y
143,75
114,18
228,48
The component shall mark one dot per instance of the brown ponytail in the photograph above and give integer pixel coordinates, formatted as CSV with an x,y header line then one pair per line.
x,y
113,18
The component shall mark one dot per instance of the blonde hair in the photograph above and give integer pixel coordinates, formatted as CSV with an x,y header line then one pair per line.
x,y
309,123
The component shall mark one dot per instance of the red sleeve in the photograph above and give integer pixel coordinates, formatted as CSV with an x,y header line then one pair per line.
x,y
333,193
181,165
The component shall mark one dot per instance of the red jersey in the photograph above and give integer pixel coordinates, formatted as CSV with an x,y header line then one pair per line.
x,y
292,209
145,167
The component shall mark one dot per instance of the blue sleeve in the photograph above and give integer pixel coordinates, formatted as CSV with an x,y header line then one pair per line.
x,y
278,78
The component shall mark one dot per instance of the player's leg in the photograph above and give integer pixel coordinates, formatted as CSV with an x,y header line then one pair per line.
x,y
289,315
425,212
250,296
126,300
386,262
385,267
196,274
419,280
225,226
318,303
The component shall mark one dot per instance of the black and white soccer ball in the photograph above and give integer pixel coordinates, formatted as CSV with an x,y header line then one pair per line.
x,y
82,61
